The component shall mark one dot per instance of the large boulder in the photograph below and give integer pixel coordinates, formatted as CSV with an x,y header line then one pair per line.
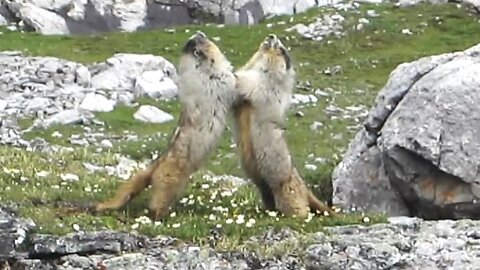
x,y
41,20
419,153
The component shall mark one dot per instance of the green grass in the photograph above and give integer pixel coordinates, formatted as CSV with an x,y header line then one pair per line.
x,y
366,57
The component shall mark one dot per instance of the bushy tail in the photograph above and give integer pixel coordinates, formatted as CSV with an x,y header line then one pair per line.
x,y
317,206
129,190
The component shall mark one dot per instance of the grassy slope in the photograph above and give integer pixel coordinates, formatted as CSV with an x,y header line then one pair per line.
x,y
46,199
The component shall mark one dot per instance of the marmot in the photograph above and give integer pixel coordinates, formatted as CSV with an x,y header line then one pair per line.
x,y
206,86
265,85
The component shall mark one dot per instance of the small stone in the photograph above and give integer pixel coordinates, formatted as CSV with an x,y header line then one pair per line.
x,y
151,114
42,174
57,134
3,105
97,103
316,126
304,99
299,114
372,13
37,103
106,143
363,21
311,167
69,177
321,93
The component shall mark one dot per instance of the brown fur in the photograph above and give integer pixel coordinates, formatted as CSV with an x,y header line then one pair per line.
x,y
289,194
206,86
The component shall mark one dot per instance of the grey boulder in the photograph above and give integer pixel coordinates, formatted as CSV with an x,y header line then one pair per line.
x,y
418,152
41,20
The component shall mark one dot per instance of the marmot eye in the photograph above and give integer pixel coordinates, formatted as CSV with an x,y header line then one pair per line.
x,y
196,53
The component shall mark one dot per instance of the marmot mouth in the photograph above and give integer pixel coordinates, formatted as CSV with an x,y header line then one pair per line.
x,y
199,38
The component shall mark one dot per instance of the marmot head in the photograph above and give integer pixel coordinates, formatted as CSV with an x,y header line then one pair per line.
x,y
271,57
201,53
276,54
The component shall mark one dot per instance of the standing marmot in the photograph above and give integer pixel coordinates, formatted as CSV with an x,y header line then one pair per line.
x,y
206,92
265,85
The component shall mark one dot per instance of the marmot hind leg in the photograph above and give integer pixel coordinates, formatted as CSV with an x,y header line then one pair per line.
x,y
166,190
266,194
291,198
127,191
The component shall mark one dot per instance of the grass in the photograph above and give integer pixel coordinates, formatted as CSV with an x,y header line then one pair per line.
x,y
366,57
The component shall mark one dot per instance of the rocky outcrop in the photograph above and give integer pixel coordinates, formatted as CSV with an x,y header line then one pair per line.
x,y
402,243
93,16
417,154
90,16
57,91
474,4
13,232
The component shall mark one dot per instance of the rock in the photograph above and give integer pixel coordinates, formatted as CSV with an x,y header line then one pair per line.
x,y
303,99
93,16
120,71
106,143
14,233
83,76
54,5
67,117
402,242
97,103
311,167
39,19
3,20
328,24
408,3
57,91
407,32
84,243
316,126
371,13
151,114
130,14
36,104
415,244
3,105
371,1
304,5
155,84
69,177
272,7
417,153
475,4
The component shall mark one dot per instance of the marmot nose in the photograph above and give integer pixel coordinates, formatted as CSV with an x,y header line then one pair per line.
x,y
272,37
199,36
